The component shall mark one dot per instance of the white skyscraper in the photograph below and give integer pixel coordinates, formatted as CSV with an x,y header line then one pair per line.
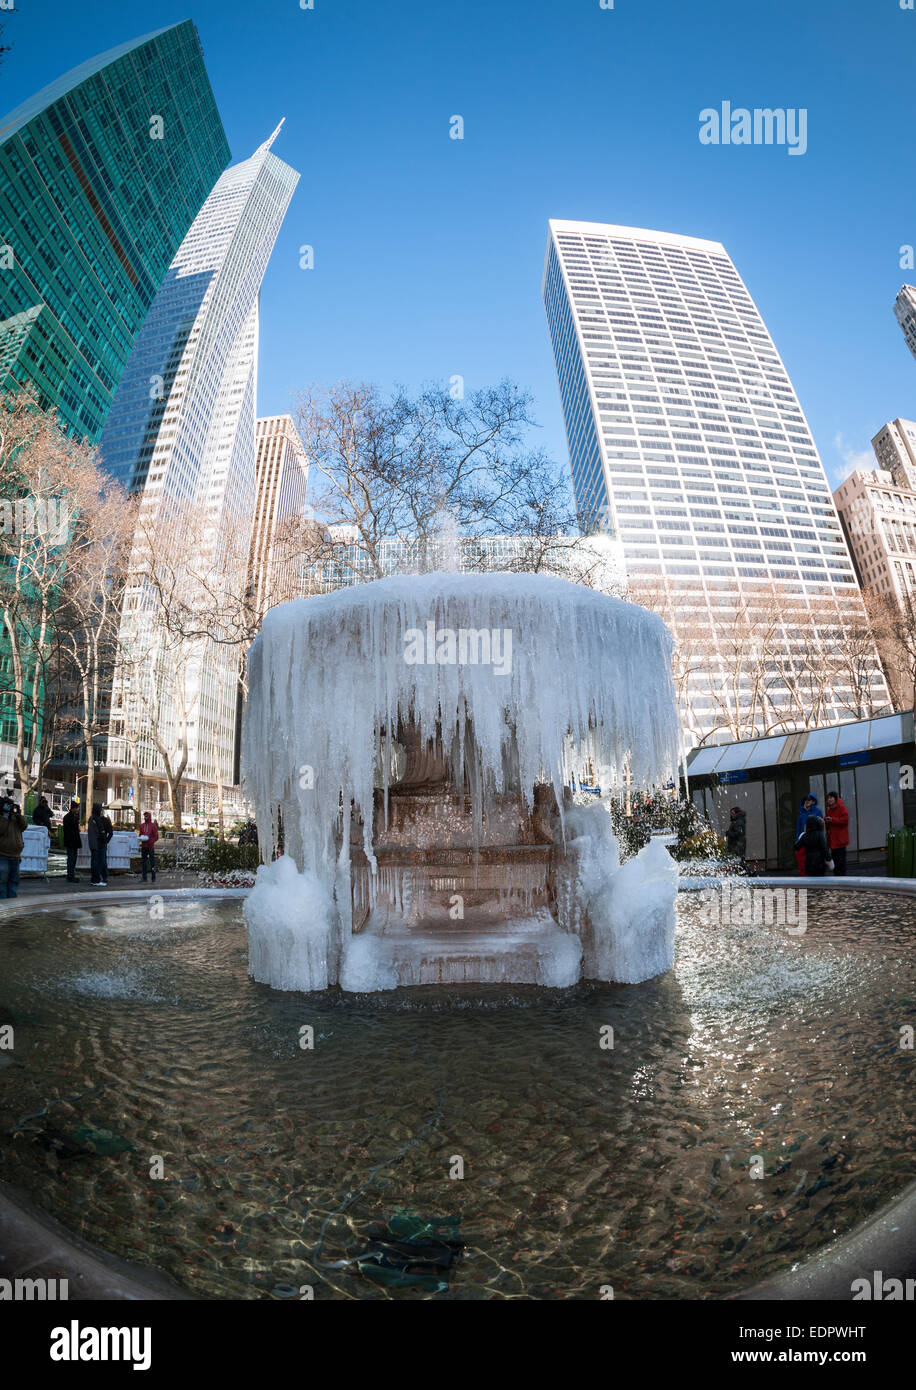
x,y
181,432
905,311
688,443
895,451
878,510
282,482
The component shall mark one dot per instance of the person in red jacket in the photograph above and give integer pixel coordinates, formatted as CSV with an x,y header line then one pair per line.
x,y
149,834
837,830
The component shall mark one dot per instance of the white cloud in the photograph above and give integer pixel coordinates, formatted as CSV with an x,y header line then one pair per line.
x,y
852,459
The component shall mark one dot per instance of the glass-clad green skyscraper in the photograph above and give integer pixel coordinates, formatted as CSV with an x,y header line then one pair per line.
x,y
101,175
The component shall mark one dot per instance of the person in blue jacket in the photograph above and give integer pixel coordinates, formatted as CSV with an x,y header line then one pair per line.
x,y
809,807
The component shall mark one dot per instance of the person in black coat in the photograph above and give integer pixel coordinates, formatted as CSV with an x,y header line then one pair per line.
x,y
814,843
736,835
248,835
99,831
72,839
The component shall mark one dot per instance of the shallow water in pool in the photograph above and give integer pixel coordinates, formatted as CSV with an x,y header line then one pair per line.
x,y
584,1164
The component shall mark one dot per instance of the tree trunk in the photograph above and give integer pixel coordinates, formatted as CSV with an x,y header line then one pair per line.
x,y
90,782
138,782
175,803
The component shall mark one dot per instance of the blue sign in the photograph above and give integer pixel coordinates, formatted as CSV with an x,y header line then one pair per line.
x,y
741,775
854,759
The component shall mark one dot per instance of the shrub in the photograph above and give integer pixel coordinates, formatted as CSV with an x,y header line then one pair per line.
x,y
654,810
221,856
705,844
687,821
696,838
632,831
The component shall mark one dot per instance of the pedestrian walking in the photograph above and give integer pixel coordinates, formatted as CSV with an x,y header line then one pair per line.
x,y
100,831
73,842
42,815
12,824
149,834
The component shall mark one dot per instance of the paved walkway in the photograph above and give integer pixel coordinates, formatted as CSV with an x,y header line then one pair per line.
x,y
33,885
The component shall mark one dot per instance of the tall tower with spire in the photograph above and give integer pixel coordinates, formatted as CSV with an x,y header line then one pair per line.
x,y
181,435
272,137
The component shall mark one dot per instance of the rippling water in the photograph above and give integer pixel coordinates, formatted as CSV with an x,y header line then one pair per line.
x,y
584,1165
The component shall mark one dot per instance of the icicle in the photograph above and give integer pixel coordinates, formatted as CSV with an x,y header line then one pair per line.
x,y
587,677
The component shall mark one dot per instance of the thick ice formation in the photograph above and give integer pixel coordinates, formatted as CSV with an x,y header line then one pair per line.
x,y
578,675
367,965
624,913
523,679
291,919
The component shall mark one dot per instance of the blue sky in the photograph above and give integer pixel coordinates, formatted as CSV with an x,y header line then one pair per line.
x,y
429,251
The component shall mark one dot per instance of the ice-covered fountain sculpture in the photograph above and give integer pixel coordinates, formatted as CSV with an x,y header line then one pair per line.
x,y
414,745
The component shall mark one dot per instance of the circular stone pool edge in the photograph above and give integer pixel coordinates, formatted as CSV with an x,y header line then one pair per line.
x,y
34,1244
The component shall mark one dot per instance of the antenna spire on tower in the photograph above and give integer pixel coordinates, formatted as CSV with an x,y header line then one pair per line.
x,y
267,143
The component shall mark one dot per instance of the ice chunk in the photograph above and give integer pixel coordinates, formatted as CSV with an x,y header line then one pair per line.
x,y
559,960
367,965
291,920
624,913
636,936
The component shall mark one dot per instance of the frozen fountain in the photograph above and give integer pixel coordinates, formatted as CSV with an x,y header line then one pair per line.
x,y
413,749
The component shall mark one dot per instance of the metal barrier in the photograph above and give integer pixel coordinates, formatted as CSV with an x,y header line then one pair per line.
x,y
122,845
35,845
189,851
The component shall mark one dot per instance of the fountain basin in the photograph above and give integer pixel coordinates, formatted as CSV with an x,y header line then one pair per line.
x,y
625,1166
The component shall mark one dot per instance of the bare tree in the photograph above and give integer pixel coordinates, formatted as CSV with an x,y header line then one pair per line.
x,y
175,586
155,696
55,508
773,659
893,623
88,619
413,467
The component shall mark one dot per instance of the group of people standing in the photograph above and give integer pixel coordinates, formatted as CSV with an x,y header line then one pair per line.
x,y
821,840
99,833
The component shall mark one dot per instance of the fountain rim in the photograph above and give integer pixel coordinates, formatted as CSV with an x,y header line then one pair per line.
x,y
885,1240
695,883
